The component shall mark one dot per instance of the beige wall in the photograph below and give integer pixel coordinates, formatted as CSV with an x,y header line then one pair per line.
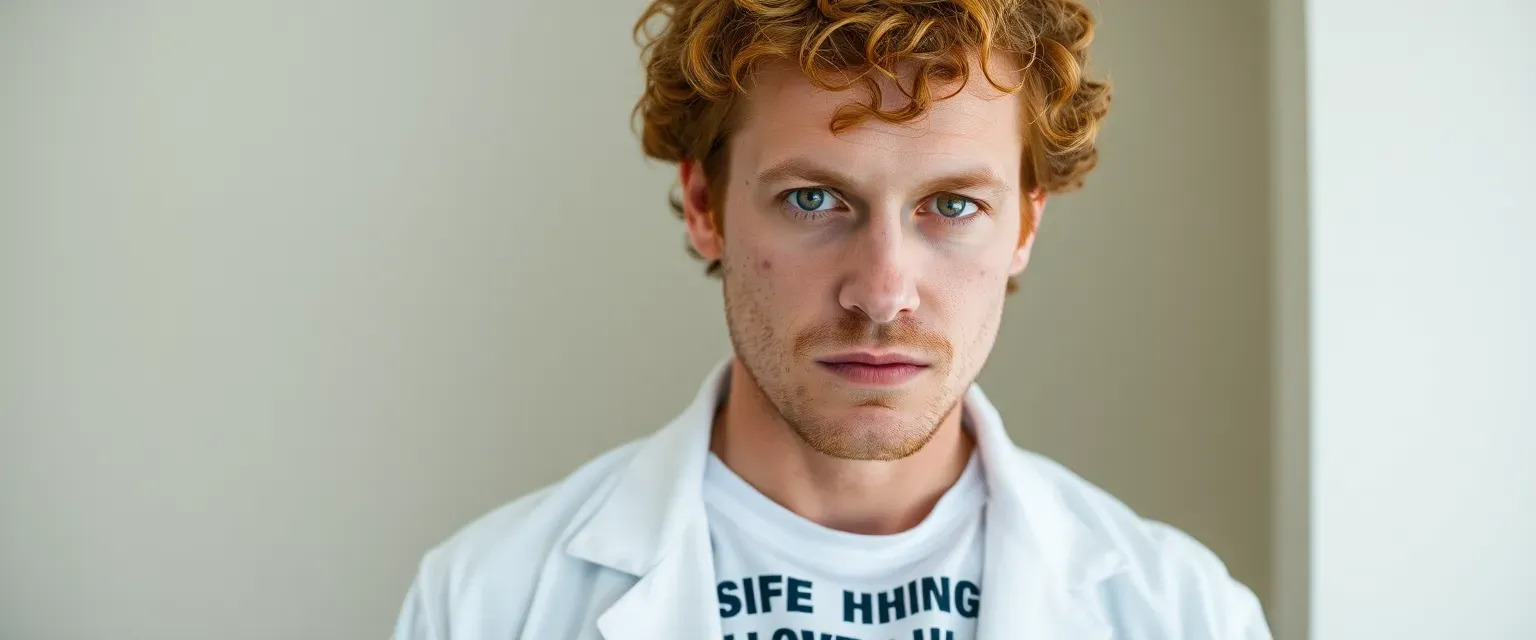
x,y
1290,329
292,290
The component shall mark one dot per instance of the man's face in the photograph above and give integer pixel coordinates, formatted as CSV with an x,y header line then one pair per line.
x,y
865,273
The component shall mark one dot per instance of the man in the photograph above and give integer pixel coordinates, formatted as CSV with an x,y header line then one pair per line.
x,y
866,176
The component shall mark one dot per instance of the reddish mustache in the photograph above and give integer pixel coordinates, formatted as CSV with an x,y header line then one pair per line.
x,y
856,330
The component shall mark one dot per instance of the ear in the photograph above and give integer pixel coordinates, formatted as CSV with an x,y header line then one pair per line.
x,y
703,233
1034,210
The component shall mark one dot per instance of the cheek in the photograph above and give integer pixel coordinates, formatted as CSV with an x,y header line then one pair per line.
x,y
968,297
982,255
797,290
795,281
972,275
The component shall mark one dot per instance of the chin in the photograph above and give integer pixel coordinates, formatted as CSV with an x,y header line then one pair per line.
x,y
864,432
899,402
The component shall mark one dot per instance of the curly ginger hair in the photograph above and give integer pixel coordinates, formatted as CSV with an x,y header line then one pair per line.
x,y
699,62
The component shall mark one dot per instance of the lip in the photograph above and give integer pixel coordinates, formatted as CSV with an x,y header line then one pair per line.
x,y
872,358
873,369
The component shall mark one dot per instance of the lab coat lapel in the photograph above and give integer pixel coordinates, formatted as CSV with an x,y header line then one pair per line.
x,y
652,526
676,599
1042,563
1021,601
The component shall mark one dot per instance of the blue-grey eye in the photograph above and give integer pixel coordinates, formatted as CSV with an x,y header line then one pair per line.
x,y
950,205
811,199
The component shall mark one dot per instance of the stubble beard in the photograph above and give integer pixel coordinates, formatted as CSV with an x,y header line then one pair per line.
x,y
769,360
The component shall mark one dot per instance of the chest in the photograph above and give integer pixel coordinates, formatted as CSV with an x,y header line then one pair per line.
x,y
775,587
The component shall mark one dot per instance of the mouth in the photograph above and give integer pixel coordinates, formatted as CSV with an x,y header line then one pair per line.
x,y
874,369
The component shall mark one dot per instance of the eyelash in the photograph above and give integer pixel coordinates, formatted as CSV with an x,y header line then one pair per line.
x,y
801,214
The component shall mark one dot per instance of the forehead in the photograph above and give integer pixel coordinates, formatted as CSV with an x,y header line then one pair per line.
x,y
787,116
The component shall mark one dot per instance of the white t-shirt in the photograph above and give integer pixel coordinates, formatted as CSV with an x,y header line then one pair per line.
x,y
782,577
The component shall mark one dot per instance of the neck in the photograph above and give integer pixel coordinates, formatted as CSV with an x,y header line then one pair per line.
x,y
860,496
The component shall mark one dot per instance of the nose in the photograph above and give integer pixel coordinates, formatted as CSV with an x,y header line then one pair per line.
x,y
880,282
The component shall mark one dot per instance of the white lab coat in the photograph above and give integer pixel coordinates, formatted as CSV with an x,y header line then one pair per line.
x,y
620,550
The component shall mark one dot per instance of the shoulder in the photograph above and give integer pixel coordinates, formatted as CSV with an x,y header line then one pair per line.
x,y
1168,574
542,514
496,559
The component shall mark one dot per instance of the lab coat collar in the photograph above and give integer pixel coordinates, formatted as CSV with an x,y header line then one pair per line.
x,y
1041,558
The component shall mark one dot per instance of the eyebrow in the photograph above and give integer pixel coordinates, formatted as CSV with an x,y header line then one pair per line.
x,y
977,177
